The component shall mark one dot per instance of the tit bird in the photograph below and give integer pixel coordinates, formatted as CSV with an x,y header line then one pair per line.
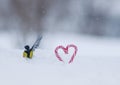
x,y
28,52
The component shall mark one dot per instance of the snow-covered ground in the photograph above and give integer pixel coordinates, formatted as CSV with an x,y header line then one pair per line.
x,y
96,63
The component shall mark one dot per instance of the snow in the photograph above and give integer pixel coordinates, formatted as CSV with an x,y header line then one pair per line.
x,y
97,62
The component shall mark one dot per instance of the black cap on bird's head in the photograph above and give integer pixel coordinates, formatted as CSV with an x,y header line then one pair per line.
x,y
27,47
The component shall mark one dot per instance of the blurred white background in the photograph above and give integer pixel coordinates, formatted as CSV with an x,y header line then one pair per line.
x,y
24,18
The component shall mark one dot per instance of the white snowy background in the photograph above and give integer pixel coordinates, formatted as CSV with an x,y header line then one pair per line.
x,y
96,63
92,25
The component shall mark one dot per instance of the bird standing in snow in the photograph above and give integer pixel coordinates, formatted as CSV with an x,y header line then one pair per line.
x,y
28,52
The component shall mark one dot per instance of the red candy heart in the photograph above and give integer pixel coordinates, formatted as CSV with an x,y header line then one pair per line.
x,y
66,52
